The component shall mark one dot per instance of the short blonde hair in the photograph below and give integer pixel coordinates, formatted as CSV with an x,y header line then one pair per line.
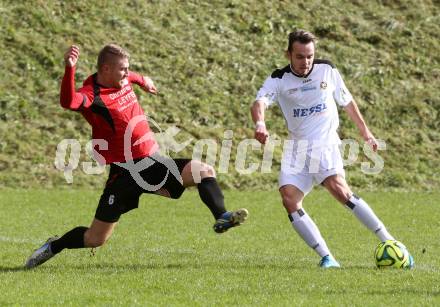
x,y
109,53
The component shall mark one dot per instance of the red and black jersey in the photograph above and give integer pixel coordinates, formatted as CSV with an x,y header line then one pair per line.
x,y
113,113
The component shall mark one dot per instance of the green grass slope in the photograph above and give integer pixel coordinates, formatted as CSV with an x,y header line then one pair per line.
x,y
208,59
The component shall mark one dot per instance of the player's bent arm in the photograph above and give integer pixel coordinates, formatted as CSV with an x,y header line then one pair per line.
x,y
69,98
144,82
136,78
356,116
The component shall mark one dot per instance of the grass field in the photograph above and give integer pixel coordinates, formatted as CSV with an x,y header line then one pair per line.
x,y
165,253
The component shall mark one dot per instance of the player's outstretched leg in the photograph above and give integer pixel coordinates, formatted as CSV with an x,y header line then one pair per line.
x,y
79,237
41,255
367,217
339,188
230,219
72,239
212,196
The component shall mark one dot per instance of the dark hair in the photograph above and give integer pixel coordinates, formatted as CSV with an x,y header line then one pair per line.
x,y
109,52
301,36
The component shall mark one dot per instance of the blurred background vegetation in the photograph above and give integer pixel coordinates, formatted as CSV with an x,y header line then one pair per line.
x,y
208,59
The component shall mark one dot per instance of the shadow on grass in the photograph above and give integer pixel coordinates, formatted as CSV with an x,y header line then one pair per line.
x,y
385,292
188,265
171,266
102,267
4,269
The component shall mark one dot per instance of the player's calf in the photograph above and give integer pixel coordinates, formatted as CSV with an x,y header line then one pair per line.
x,y
367,217
94,241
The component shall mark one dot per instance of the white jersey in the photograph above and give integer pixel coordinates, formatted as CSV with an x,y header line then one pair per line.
x,y
308,103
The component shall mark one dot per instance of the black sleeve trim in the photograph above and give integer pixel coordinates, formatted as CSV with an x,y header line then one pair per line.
x,y
320,61
279,73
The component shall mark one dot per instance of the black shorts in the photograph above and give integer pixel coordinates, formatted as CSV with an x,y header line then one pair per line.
x,y
123,189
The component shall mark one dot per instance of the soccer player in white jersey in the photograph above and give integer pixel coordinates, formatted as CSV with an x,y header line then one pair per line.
x,y
307,91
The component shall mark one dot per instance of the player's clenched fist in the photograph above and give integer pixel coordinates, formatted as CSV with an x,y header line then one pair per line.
x,y
71,56
372,142
261,133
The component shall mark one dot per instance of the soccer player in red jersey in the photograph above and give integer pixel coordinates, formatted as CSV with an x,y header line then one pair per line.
x,y
122,138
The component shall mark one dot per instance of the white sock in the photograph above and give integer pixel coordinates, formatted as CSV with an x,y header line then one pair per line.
x,y
309,232
364,214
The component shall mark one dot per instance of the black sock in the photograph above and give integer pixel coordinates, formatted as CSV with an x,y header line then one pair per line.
x,y
212,196
71,239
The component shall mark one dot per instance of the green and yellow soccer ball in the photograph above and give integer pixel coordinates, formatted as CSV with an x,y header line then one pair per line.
x,y
392,253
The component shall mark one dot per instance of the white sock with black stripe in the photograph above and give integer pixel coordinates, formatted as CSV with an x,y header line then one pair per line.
x,y
309,232
364,214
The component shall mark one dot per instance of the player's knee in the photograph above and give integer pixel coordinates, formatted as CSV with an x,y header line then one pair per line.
x,y
342,193
290,202
206,170
339,189
286,198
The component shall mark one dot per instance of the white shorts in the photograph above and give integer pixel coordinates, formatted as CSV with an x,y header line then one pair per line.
x,y
306,169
